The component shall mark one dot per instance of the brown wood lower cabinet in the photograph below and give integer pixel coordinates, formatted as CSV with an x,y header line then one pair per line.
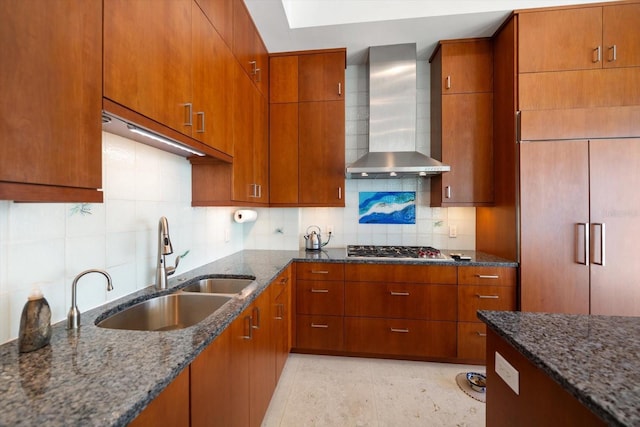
x,y
170,408
400,337
472,340
320,332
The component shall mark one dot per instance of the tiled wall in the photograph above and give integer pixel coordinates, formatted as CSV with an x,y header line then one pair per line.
x,y
284,228
49,244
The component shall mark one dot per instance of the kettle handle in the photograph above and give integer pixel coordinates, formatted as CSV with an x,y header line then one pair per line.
x,y
311,226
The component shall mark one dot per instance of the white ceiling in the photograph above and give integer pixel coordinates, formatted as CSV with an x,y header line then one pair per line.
x,y
289,25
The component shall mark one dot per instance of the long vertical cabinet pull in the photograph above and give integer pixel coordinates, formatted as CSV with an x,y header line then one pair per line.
x,y
248,327
339,89
447,192
582,244
339,193
596,226
200,115
597,54
188,114
448,83
255,313
614,53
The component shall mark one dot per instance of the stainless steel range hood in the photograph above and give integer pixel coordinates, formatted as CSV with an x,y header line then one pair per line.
x,y
392,118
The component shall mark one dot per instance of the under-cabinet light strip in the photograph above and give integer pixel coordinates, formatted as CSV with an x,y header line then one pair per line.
x,y
162,139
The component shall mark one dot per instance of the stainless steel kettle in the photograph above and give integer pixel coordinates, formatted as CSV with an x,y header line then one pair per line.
x,y
313,241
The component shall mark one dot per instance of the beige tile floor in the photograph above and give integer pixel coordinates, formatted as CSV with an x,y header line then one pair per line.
x,y
346,391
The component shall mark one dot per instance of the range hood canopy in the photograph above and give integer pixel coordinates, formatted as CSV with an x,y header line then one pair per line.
x,y
392,118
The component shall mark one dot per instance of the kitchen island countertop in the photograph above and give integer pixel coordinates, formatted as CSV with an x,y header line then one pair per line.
x,y
595,358
106,377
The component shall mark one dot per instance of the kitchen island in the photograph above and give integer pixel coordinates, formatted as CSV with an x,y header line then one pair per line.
x,y
558,369
106,377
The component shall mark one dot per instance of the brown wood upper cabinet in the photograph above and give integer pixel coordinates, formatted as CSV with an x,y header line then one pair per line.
x,y
462,122
220,13
307,128
248,47
580,38
50,137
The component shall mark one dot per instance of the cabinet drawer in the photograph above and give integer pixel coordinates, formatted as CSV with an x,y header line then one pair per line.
x,y
319,271
281,282
401,300
472,341
497,276
320,332
400,337
398,273
319,297
474,298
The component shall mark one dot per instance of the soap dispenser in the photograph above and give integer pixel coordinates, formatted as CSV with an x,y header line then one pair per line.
x,y
35,323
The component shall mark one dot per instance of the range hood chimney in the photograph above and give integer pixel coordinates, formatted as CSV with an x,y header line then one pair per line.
x,y
392,118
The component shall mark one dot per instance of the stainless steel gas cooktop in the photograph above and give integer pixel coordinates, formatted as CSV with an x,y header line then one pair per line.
x,y
398,252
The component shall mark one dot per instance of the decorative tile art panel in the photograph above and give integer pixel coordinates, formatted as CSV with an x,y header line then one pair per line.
x,y
387,207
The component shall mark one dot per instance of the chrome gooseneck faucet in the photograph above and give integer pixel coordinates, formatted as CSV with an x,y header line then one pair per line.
x,y
164,248
73,317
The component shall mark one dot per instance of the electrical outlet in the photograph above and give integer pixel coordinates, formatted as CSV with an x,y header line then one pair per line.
x,y
330,229
453,230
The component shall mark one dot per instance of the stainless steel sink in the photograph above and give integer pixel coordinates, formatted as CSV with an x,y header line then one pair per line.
x,y
166,312
218,285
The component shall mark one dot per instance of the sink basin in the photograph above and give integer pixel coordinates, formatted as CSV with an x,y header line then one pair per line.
x,y
218,285
166,312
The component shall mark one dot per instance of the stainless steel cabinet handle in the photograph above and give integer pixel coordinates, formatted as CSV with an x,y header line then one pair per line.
x,y
319,325
280,312
480,334
447,192
602,243
259,196
284,280
487,276
200,115
258,74
401,294
597,54
189,114
402,331
254,67
339,193
256,310
319,291
319,272
448,83
339,89
582,245
248,327
614,53
488,296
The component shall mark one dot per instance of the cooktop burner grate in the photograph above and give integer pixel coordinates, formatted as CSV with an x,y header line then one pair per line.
x,y
372,251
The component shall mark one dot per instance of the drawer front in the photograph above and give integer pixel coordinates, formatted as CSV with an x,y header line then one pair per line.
x,y
319,297
472,341
399,273
319,271
320,332
401,300
496,276
280,283
400,337
474,298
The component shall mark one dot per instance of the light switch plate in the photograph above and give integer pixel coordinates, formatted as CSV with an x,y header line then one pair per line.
x,y
508,373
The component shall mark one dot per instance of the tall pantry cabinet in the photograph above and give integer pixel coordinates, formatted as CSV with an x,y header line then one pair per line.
x,y
564,206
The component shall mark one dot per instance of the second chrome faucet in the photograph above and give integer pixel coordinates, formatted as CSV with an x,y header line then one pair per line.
x,y
164,248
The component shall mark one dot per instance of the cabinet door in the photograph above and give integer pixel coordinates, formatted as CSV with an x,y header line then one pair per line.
x,y
212,79
620,35
147,59
243,162
283,79
615,174
467,146
260,147
50,105
220,13
483,297
211,380
321,153
248,47
557,40
320,297
554,200
317,332
283,153
467,67
282,328
170,408
241,348
262,363
321,77
472,341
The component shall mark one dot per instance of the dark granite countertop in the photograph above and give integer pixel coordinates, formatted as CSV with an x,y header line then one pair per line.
x,y
595,358
106,377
